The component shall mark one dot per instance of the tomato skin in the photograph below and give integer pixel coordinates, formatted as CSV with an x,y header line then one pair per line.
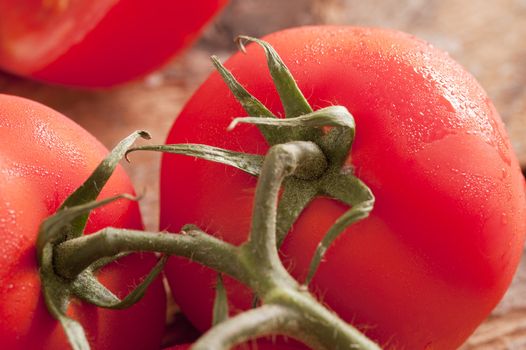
x,y
44,156
445,236
133,38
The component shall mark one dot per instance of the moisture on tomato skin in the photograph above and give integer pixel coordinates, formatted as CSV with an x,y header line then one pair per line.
x,y
446,233
43,158
97,43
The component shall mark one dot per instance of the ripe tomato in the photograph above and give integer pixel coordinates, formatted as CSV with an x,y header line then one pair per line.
x,y
444,239
43,158
96,43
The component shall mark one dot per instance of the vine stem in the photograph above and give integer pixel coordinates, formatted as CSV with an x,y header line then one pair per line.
x,y
73,256
288,308
305,319
258,322
319,327
301,158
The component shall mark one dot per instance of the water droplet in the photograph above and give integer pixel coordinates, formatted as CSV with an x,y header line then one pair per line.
x,y
504,219
503,173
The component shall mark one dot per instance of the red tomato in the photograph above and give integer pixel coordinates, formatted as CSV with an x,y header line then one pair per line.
x,y
43,158
446,233
96,43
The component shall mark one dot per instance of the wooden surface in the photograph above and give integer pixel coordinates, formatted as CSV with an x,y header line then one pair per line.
x,y
487,37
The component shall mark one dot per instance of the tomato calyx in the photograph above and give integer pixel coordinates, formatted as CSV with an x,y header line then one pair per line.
x,y
331,176
67,224
302,123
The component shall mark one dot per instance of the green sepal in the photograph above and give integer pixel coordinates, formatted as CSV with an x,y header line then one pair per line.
x,y
88,288
296,195
249,163
74,332
220,309
91,188
294,103
56,227
337,116
68,223
336,143
250,104
99,264
353,192
292,99
57,290
56,293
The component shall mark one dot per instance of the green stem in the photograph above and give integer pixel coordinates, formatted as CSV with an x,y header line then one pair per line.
x,y
303,159
288,308
302,316
254,323
292,312
249,163
73,256
319,327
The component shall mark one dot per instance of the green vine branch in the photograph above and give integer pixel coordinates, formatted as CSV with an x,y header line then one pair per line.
x,y
73,256
262,321
255,263
304,160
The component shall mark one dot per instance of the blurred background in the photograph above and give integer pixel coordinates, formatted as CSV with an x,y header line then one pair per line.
x,y
486,36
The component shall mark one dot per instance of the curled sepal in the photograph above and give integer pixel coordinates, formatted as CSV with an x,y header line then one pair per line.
x,y
220,310
336,143
58,290
88,288
74,332
91,188
337,116
68,223
294,103
352,191
100,263
250,104
56,227
292,99
57,297
249,163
